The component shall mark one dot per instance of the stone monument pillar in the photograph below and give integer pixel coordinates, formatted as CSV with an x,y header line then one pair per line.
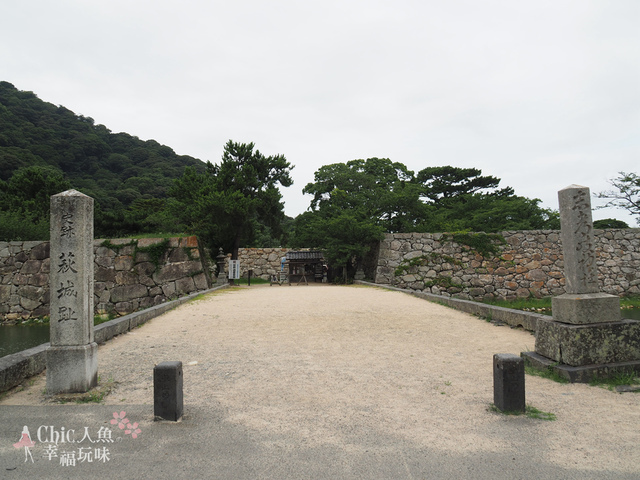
x,y
72,358
583,303
586,337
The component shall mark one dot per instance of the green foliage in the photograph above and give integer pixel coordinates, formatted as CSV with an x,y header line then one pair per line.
x,y
155,251
373,196
630,302
117,247
609,223
487,245
254,281
16,227
232,203
616,380
442,183
626,194
25,200
129,178
382,191
549,373
529,412
341,234
531,304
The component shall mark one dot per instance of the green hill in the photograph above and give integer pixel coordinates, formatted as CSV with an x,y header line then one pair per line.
x,y
127,177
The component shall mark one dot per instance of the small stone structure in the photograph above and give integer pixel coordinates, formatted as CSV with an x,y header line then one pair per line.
x,y
168,397
586,337
508,383
129,275
72,358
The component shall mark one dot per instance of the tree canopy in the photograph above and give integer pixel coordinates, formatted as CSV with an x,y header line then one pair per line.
x,y
354,203
117,169
231,203
25,200
626,194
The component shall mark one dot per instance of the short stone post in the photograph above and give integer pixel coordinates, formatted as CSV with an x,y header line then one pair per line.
x,y
72,358
508,382
167,391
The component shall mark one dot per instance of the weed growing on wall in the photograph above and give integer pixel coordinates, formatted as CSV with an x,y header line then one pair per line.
x,y
155,251
485,244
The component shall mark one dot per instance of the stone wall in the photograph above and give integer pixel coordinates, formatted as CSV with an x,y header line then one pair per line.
x,y
263,261
129,275
530,263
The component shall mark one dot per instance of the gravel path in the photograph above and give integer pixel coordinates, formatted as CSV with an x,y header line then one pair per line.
x,y
330,365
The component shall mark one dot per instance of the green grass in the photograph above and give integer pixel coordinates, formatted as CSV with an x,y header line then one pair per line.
x,y
95,395
536,305
547,373
615,381
530,412
543,305
254,281
629,302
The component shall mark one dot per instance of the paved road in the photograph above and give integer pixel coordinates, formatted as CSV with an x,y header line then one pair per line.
x,y
322,382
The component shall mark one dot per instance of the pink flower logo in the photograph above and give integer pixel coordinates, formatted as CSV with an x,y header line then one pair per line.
x,y
133,430
120,419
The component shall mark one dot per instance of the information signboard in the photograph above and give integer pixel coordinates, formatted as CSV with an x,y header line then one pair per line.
x,y
234,269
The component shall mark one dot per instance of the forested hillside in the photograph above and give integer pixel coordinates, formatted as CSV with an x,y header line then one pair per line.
x,y
129,178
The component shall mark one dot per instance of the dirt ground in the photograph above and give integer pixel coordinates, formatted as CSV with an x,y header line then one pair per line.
x,y
323,363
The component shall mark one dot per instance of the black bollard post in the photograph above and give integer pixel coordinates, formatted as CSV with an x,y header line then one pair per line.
x,y
508,382
167,391
249,277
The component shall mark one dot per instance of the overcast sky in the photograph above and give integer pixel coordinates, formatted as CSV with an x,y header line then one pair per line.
x,y
541,94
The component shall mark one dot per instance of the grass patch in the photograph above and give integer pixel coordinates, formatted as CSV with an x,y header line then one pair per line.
x,y
547,373
254,281
629,302
617,380
95,395
543,305
104,317
34,321
530,412
535,305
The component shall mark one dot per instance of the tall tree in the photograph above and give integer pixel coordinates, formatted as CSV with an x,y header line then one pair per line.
x,y
223,203
626,194
25,200
355,202
382,190
442,183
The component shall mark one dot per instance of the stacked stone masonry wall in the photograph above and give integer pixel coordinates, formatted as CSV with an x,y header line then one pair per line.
x,y
530,263
128,275
263,261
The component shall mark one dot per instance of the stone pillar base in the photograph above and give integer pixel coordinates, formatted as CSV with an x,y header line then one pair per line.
x,y
585,308
582,374
596,344
72,369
